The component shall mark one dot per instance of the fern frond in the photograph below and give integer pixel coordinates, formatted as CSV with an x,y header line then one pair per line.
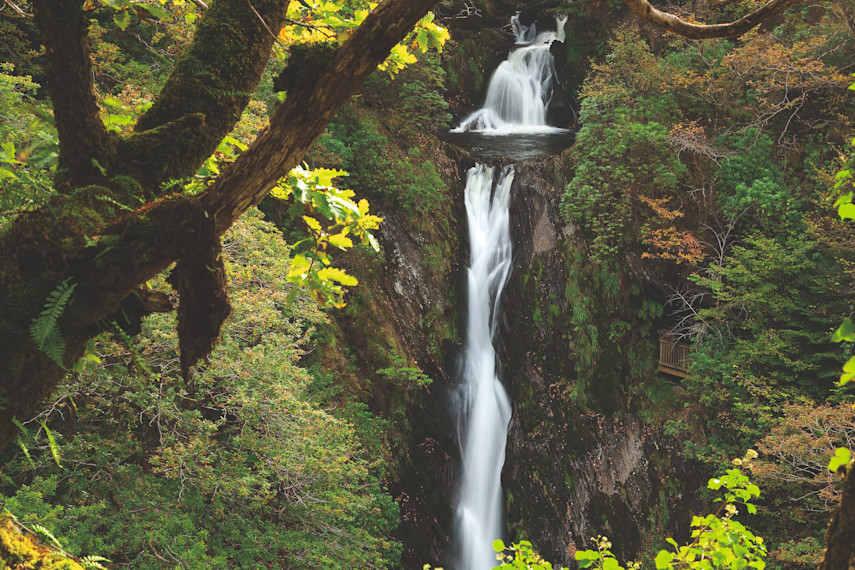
x,y
44,329
93,562
37,528
54,446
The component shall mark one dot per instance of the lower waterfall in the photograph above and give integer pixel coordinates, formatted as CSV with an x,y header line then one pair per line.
x,y
484,409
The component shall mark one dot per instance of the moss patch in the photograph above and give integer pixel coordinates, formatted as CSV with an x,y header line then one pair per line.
x,y
22,551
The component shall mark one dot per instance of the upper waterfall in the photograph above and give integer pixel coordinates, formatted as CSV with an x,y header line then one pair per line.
x,y
524,34
520,90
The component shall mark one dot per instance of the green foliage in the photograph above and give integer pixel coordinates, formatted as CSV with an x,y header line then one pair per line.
x,y
614,161
611,323
718,539
844,205
751,181
520,555
316,198
44,329
804,554
766,334
127,12
251,471
622,150
330,217
336,20
424,107
418,93
409,377
28,145
842,458
602,558
380,169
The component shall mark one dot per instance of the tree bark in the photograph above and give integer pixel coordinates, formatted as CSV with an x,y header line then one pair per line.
x,y
672,23
204,96
840,535
82,134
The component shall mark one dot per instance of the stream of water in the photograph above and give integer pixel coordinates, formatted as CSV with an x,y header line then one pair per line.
x,y
517,100
486,408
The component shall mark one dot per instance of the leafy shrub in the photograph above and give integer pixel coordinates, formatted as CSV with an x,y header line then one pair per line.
x,y
242,468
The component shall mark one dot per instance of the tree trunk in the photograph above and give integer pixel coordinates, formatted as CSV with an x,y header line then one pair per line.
x,y
840,535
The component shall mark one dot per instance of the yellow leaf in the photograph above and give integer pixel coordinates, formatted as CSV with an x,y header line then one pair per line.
x,y
338,275
312,223
340,241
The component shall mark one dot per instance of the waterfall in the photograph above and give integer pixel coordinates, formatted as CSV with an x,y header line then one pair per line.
x,y
523,34
520,89
484,410
517,99
560,34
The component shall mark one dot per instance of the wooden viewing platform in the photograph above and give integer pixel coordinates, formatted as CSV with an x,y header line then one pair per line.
x,y
673,355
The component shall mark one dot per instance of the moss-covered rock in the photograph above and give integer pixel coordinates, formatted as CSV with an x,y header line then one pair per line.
x,y
21,550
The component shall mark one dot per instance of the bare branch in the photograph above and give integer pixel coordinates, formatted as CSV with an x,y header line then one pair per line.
x,y
20,14
672,23
325,31
263,23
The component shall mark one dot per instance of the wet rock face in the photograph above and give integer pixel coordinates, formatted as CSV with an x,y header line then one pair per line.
x,y
571,474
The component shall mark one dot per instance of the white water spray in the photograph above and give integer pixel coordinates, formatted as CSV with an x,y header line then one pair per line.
x,y
484,410
523,34
521,87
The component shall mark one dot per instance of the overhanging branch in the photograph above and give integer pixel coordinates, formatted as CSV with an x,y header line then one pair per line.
x,y
137,246
669,22
308,108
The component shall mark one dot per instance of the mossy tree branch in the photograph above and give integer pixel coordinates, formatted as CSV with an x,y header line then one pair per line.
x,y
68,66
212,81
43,248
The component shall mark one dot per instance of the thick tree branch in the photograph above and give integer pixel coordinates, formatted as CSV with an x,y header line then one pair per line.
x,y
309,106
213,80
672,23
82,134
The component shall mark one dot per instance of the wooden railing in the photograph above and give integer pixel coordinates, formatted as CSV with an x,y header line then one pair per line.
x,y
673,355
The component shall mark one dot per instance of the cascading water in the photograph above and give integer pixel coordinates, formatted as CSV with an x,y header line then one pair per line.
x,y
485,408
523,34
520,90
517,99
